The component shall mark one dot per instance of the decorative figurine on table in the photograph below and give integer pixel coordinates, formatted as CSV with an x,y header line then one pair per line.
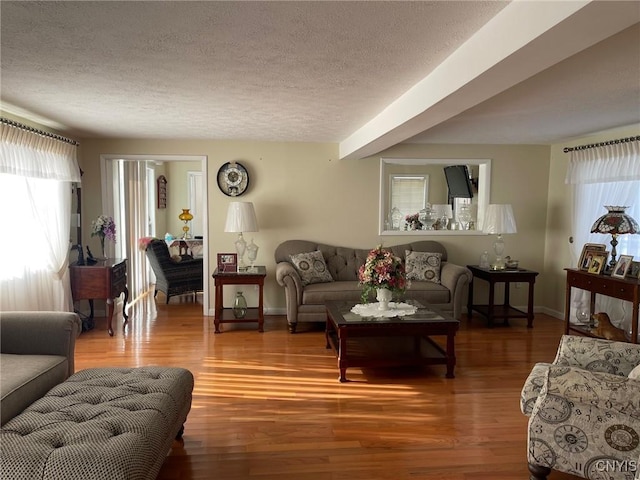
x,y
80,260
90,258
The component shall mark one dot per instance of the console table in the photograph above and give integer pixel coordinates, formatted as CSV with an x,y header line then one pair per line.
x,y
504,311
597,284
225,315
106,280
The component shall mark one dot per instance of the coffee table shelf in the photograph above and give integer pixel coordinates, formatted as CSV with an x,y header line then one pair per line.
x,y
396,341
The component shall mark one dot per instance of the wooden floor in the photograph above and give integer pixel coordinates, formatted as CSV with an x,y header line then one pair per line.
x,y
269,405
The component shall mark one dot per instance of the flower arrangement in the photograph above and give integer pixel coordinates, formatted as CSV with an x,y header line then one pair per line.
x,y
382,269
143,243
413,221
103,227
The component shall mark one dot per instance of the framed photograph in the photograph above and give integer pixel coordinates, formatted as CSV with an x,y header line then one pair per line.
x,y
598,262
622,266
587,253
227,262
634,270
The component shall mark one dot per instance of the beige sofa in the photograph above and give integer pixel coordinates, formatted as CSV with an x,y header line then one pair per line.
x,y
305,303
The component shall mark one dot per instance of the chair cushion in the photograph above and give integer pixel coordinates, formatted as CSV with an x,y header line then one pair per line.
x,y
311,267
423,266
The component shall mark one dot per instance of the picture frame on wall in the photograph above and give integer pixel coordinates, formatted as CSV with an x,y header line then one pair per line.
x,y
598,262
227,262
587,253
622,266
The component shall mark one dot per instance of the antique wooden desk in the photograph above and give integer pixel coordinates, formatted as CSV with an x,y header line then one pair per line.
x,y
225,315
106,280
504,311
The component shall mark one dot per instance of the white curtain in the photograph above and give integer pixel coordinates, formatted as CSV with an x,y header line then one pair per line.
x,y
36,172
132,214
607,175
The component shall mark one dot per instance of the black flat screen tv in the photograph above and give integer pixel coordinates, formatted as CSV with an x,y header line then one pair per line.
x,y
458,181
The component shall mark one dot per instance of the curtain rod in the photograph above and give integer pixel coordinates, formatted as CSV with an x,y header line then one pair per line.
x,y
602,144
21,126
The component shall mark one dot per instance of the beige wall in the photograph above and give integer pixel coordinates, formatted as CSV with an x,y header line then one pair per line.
x,y
559,214
302,191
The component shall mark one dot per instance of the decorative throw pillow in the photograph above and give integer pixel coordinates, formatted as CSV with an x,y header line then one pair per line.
x,y
423,266
311,267
635,373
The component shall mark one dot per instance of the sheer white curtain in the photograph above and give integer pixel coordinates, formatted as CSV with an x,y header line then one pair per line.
x,y
132,215
607,175
36,172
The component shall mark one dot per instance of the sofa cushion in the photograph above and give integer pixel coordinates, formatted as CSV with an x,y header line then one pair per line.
x,y
635,373
423,266
26,378
335,291
311,267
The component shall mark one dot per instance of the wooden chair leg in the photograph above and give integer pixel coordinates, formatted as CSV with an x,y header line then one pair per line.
x,y
538,472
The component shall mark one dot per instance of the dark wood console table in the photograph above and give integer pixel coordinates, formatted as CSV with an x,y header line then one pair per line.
x,y
106,279
597,284
504,311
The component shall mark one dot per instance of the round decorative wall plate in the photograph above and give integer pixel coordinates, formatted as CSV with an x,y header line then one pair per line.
x,y
233,179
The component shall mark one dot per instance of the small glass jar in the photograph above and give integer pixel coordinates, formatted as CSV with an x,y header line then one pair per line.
x,y
239,306
484,260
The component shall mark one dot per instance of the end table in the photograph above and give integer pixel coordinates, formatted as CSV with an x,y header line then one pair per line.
x,y
248,277
504,311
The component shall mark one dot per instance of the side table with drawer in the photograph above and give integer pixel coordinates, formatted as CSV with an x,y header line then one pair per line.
x,y
598,284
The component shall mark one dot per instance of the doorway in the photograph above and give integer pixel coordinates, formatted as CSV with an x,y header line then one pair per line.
x,y
129,195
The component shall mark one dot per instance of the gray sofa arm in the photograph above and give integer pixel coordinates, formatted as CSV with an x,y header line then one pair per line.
x,y
456,278
598,355
288,277
40,333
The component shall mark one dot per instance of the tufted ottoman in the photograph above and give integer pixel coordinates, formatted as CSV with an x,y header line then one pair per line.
x,y
101,423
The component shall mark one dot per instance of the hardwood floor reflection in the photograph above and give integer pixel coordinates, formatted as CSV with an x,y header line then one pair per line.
x,y
270,406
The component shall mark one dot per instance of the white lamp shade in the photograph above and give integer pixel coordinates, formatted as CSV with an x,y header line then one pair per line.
x,y
241,217
499,219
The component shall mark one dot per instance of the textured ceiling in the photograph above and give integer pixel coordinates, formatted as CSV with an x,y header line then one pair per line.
x,y
287,71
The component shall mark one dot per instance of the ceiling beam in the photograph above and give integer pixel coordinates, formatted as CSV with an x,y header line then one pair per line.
x,y
524,39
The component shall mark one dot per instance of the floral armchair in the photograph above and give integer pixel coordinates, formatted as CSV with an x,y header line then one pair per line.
x,y
584,411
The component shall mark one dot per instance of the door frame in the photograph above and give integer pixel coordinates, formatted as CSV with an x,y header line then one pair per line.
x,y
106,164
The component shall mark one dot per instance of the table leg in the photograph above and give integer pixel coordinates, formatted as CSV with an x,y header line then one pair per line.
x,y
490,305
218,308
530,307
110,316
507,301
260,309
451,354
470,300
342,354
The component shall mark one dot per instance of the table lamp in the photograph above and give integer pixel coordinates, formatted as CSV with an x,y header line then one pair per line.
x,y
241,217
499,220
616,222
186,216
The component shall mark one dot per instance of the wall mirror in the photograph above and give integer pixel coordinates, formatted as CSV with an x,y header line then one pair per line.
x,y
433,196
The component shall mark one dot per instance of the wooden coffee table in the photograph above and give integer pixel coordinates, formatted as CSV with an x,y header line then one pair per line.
x,y
380,342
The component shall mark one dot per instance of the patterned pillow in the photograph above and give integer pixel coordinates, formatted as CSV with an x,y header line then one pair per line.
x,y
311,267
423,266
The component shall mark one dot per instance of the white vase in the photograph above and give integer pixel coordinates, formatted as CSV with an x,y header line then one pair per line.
x,y
383,295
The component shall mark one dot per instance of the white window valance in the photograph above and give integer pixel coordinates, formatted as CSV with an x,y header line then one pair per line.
x,y
610,163
32,155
